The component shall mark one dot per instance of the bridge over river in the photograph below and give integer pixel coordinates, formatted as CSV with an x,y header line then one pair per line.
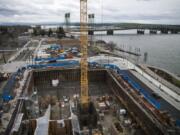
x,y
110,28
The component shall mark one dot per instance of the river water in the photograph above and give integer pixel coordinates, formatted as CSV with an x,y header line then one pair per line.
x,y
163,50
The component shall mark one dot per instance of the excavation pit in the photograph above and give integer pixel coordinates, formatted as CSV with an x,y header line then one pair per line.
x,y
42,91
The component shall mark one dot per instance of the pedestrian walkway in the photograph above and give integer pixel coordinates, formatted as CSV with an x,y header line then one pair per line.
x,y
163,81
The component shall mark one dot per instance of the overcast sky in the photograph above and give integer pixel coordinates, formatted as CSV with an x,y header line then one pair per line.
x,y
143,11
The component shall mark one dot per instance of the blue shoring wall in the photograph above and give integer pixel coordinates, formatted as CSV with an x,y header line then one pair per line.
x,y
10,85
135,85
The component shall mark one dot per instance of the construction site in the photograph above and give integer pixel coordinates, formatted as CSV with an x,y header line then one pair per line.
x,y
62,87
50,104
54,105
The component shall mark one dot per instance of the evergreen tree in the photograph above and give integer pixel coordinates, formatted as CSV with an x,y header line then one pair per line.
x,y
42,32
60,32
35,33
50,32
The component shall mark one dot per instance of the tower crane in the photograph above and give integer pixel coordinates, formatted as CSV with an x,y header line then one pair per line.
x,y
86,111
87,114
84,44
84,99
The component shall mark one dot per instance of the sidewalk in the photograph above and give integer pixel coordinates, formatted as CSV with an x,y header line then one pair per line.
x,y
159,92
160,79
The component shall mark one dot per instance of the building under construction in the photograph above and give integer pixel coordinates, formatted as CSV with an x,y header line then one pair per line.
x,y
99,95
48,105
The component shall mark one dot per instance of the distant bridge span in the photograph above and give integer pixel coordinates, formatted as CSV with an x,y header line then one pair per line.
x,y
174,29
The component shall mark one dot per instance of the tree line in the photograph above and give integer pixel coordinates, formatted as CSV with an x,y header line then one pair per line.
x,y
60,33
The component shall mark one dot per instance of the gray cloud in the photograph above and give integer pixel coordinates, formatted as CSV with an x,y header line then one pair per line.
x,y
148,11
145,0
7,12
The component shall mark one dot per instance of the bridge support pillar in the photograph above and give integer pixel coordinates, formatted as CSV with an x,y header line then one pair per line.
x,y
110,32
164,31
90,32
153,31
140,31
174,32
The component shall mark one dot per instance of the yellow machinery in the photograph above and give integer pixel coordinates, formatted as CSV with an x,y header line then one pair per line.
x,y
84,44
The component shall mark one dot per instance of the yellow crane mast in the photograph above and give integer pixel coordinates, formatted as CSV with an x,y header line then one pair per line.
x,y
87,114
84,44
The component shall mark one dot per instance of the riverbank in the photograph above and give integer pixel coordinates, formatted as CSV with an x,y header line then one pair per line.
x,y
171,80
163,50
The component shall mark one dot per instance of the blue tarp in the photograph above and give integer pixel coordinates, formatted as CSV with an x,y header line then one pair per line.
x,y
55,47
50,59
58,64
